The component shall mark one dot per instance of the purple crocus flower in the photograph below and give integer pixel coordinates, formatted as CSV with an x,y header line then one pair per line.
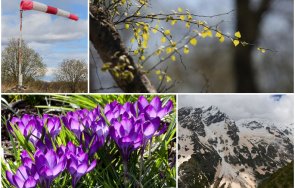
x,y
149,115
29,164
49,165
141,109
155,107
95,134
72,122
134,124
53,125
113,110
77,162
89,127
26,175
92,142
30,126
127,134
22,178
149,128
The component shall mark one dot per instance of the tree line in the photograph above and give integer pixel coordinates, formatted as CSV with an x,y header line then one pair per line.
x,y
73,72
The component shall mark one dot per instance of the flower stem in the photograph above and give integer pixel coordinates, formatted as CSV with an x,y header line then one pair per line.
x,y
125,169
141,164
150,149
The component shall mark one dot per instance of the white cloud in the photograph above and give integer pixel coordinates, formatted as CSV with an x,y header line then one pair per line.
x,y
51,71
43,28
245,106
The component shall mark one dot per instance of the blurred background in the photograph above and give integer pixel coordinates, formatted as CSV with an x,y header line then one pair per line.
x,y
220,67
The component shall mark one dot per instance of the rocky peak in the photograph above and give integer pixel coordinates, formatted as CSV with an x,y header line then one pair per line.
x,y
213,115
241,153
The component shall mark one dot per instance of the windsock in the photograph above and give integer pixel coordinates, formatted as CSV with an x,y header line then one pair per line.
x,y
33,5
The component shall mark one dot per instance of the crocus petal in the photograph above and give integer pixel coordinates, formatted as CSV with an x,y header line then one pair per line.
x,y
51,158
40,161
82,156
72,169
15,120
149,128
65,121
137,145
162,130
156,103
82,168
36,176
142,102
71,147
122,131
18,181
90,116
109,115
113,133
27,162
46,172
50,124
24,154
73,162
96,143
9,177
26,118
92,166
30,183
41,146
110,107
74,124
150,110
164,111
22,172
169,106
59,168
129,107
87,139
126,139
126,125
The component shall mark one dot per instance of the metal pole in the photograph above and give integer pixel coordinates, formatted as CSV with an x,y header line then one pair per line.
x,y
20,75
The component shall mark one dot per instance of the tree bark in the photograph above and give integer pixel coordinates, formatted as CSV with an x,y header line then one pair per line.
x,y
248,22
111,50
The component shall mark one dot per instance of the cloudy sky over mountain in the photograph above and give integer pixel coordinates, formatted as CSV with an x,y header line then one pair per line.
x,y
54,38
276,108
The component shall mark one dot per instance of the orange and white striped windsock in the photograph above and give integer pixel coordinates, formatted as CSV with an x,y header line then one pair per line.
x,y
33,5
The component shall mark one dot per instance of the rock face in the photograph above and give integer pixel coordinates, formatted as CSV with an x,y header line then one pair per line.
x,y
216,151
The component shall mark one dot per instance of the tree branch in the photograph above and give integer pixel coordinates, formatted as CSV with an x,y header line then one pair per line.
x,y
109,46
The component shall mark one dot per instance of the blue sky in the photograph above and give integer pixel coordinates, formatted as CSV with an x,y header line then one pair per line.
x,y
54,38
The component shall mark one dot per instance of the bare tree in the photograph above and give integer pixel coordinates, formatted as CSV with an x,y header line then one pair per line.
x,y
32,64
73,72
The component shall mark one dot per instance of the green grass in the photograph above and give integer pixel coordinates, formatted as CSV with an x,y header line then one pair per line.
x,y
283,178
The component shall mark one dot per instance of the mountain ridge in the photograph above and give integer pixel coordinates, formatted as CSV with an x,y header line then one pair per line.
x,y
233,153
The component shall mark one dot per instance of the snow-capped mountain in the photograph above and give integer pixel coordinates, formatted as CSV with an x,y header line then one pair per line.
x,y
216,151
